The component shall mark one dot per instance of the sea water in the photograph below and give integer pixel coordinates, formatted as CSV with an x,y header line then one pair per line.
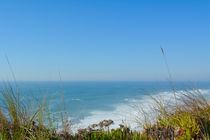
x,y
91,102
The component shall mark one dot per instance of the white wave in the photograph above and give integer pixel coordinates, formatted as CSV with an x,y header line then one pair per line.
x,y
76,99
129,112
131,100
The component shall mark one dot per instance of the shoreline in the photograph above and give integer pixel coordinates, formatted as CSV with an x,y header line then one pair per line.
x,y
163,118
126,113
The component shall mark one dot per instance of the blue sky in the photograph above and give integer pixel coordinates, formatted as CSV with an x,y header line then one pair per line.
x,y
105,39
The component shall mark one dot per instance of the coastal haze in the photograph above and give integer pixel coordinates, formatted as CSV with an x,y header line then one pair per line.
x,y
99,59
90,102
105,40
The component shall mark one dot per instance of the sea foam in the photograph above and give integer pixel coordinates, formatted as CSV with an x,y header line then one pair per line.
x,y
129,112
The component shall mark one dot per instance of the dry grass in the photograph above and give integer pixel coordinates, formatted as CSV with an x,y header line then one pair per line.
x,y
187,118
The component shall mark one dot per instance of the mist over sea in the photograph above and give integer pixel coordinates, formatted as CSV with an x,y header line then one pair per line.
x,y
91,102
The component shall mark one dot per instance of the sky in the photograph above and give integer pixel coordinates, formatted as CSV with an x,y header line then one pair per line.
x,y
111,40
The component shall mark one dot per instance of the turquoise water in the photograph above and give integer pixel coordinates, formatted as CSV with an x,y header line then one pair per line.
x,y
93,101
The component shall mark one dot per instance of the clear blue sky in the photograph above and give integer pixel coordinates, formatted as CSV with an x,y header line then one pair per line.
x,y
105,39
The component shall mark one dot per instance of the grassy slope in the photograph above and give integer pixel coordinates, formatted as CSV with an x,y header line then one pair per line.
x,y
188,118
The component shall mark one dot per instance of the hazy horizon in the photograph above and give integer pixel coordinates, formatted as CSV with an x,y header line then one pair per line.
x,y
112,40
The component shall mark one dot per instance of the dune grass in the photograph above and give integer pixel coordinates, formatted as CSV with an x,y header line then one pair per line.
x,y
187,118
18,122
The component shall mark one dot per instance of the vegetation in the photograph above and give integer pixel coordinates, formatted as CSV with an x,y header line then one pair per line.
x,y
186,118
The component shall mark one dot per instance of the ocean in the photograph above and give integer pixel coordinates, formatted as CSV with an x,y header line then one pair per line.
x,y
91,102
